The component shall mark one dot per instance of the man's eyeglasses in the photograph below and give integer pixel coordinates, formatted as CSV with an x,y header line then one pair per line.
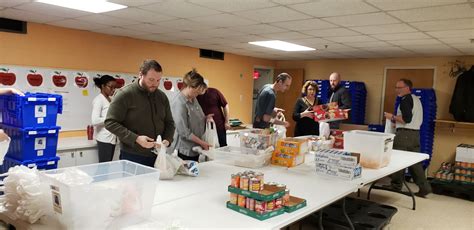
x,y
400,87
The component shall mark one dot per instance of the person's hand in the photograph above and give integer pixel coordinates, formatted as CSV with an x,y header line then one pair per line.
x,y
227,126
388,115
16,91
307,113
205,146
145,142
277,110
166,143
209,117
287,124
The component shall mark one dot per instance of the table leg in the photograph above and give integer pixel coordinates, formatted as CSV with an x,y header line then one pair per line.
x,y
321,219
411,194
370,189
345,214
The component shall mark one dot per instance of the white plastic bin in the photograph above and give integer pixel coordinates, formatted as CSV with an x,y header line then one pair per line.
x,y
121,193
375,148
233,156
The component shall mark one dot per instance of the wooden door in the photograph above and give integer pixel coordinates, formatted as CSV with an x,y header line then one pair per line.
x,y
288,99
421,78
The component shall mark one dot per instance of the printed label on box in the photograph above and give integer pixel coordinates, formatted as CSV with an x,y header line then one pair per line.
x,y
40,143
39,153
40,110
57,202
40,120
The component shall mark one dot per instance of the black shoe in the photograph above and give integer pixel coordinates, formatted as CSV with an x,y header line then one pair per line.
x,y
423,192
392,187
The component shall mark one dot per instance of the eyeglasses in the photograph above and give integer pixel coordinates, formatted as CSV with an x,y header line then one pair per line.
x,y
400,87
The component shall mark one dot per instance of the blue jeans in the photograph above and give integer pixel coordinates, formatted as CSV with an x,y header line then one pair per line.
x,y
140,159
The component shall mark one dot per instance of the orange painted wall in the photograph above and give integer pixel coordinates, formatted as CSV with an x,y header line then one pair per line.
x,y
50,46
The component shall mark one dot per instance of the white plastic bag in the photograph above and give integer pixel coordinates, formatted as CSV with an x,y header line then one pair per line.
x,y
167,164
210,136
4,144
389,126
280,129
324,129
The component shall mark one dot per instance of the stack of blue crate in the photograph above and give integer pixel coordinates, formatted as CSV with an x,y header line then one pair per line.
x,y
30,121
358,94
376,128
428,102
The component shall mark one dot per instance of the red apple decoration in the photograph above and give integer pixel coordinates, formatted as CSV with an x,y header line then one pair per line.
x,y
120,82
180,84
35,79
59,80
7,78
81,80
167,84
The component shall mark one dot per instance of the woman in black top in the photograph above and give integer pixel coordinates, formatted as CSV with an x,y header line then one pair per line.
x,y
303,113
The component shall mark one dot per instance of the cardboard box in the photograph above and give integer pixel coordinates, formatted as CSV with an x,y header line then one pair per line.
x,y
341,164
290,152
465,153
349,127
329,112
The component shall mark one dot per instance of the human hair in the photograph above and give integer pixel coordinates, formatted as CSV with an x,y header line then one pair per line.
x,y
282,77
150,64
407,82
103,80
193,79
307,84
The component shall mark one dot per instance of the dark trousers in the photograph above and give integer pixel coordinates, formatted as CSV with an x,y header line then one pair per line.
x,y
188,158
409,140
222,136
106,151
140,159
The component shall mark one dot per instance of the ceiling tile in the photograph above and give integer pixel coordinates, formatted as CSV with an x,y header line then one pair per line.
x,y
331,32
106,20
234,5
456,40
135,2
307,24
333,8
42,8
258,29
12,3
453,33
363,19
220,41
118,31
290,2
409,4
76,24
273,14
435,13
187,35
385,29
310,41
367,44
400,36
285,35
179,9
223,20
463,46
359,38
185,24
139,15
28,16
386,49
157,37
221,32
247,38
453,24
150,28
427,48
429,41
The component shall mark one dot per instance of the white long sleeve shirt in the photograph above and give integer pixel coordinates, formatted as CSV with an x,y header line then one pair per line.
x,y
100,106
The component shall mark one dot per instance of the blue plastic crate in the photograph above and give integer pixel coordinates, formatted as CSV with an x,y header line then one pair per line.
x,y
43,164
31,143
33,110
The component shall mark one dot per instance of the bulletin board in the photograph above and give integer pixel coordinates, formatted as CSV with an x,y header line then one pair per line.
x,y
75,86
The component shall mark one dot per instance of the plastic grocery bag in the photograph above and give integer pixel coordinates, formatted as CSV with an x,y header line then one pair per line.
x,y
280,129
389,126
4,144
324,129
210,136
167,164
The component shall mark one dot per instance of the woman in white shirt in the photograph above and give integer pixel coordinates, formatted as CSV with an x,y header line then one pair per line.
x,y
105,140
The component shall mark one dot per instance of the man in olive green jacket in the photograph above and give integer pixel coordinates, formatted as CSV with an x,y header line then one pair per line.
x,y
139,112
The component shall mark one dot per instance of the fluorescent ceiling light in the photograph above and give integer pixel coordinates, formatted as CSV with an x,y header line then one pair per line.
x,y
93,6
281,45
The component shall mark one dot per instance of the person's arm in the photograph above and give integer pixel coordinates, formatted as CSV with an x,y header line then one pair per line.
x,y
168,122
226,116
115,118
11,91
346,100
406,107
297,110
269,103
96,119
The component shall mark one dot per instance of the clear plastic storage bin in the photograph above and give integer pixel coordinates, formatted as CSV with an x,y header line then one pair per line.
x,y
252,141
375,148
233,156
121,193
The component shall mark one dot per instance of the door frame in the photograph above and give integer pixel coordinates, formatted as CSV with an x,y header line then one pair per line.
x,y
386,68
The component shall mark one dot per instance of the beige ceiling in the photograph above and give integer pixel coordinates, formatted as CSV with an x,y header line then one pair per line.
x,y
336,28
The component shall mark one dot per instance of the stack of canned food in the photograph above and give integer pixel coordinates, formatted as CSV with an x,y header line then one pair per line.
x,y
254,182
464,172
445,172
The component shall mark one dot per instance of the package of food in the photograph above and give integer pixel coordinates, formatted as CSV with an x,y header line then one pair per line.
x,y
329,112
290,152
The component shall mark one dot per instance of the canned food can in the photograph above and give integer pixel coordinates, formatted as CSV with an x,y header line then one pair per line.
x,y
457,178
233,198
465,165
286,197
244,183
254,185
260,206
463,171
241,201
458,163
281,186
250,204
457,171
270,205
278,203
233,181
260,177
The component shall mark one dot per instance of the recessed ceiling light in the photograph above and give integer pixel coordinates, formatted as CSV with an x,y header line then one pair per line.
x,y
281,45
93,6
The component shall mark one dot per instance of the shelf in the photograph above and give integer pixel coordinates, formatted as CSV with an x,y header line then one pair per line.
x,y
455,124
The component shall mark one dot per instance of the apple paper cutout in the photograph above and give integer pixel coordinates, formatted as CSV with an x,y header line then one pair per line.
x,y
167,84
120,82
7,78
81,80
180,84
34,79
59,80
